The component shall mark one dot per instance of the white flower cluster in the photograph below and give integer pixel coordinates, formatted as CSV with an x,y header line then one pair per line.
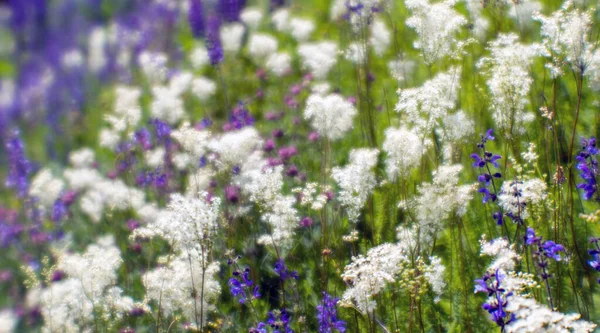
x,y
530,316
516,196
46,187
233,148
427,105
319,57
193,141
330,115
187,283
565,36
437,25
127,114
261,46
187,223
68,305
366,276
356,180
509,82
404,149
439,199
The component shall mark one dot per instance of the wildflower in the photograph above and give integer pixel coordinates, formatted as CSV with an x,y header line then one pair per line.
x,y
19,166
404,150
356,180
498,298
196,18
327,315
283,272
588,168
483,162
331,116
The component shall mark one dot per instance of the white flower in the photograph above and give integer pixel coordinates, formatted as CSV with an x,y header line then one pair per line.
x,y
154,66
108,138
260,46
435,276
251,16
437,25
180,82
301,29
404,149
231,37
439,199
504,254
566,37
155,158
516,196
457,127
530,316
509,82
188,283
356,52
46,187
330,115
281,19
8,321
380,37
233,148
199,57
427,105
368,275
187,222
318,58
166,105
356,180
279,63
82,158
72,59
203,88
97,58
193,141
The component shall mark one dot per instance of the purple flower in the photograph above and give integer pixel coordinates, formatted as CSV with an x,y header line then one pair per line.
x,y
240,284
19,167
230,9
283,272
497,298
196,18
327,315
213,41
231,193
588,168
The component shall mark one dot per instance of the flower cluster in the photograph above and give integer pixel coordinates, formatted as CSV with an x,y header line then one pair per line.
x,y
588,168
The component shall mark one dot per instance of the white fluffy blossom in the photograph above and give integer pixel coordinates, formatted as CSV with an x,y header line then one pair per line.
x,y
167,104
97,58
425,106
188,283
8,321
404,149
203,88
153,65
82,158
356,52
368,275
68,305
234,147
356,180
565,36
439,199
457,126
193,141
187,222
503,253
260,46
231,37
281,19
319,57
435,275
437,25
279,63
46,187
251,16
301,28
199,57
330,115
532,317
127,112
380,37
516,196
509,82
